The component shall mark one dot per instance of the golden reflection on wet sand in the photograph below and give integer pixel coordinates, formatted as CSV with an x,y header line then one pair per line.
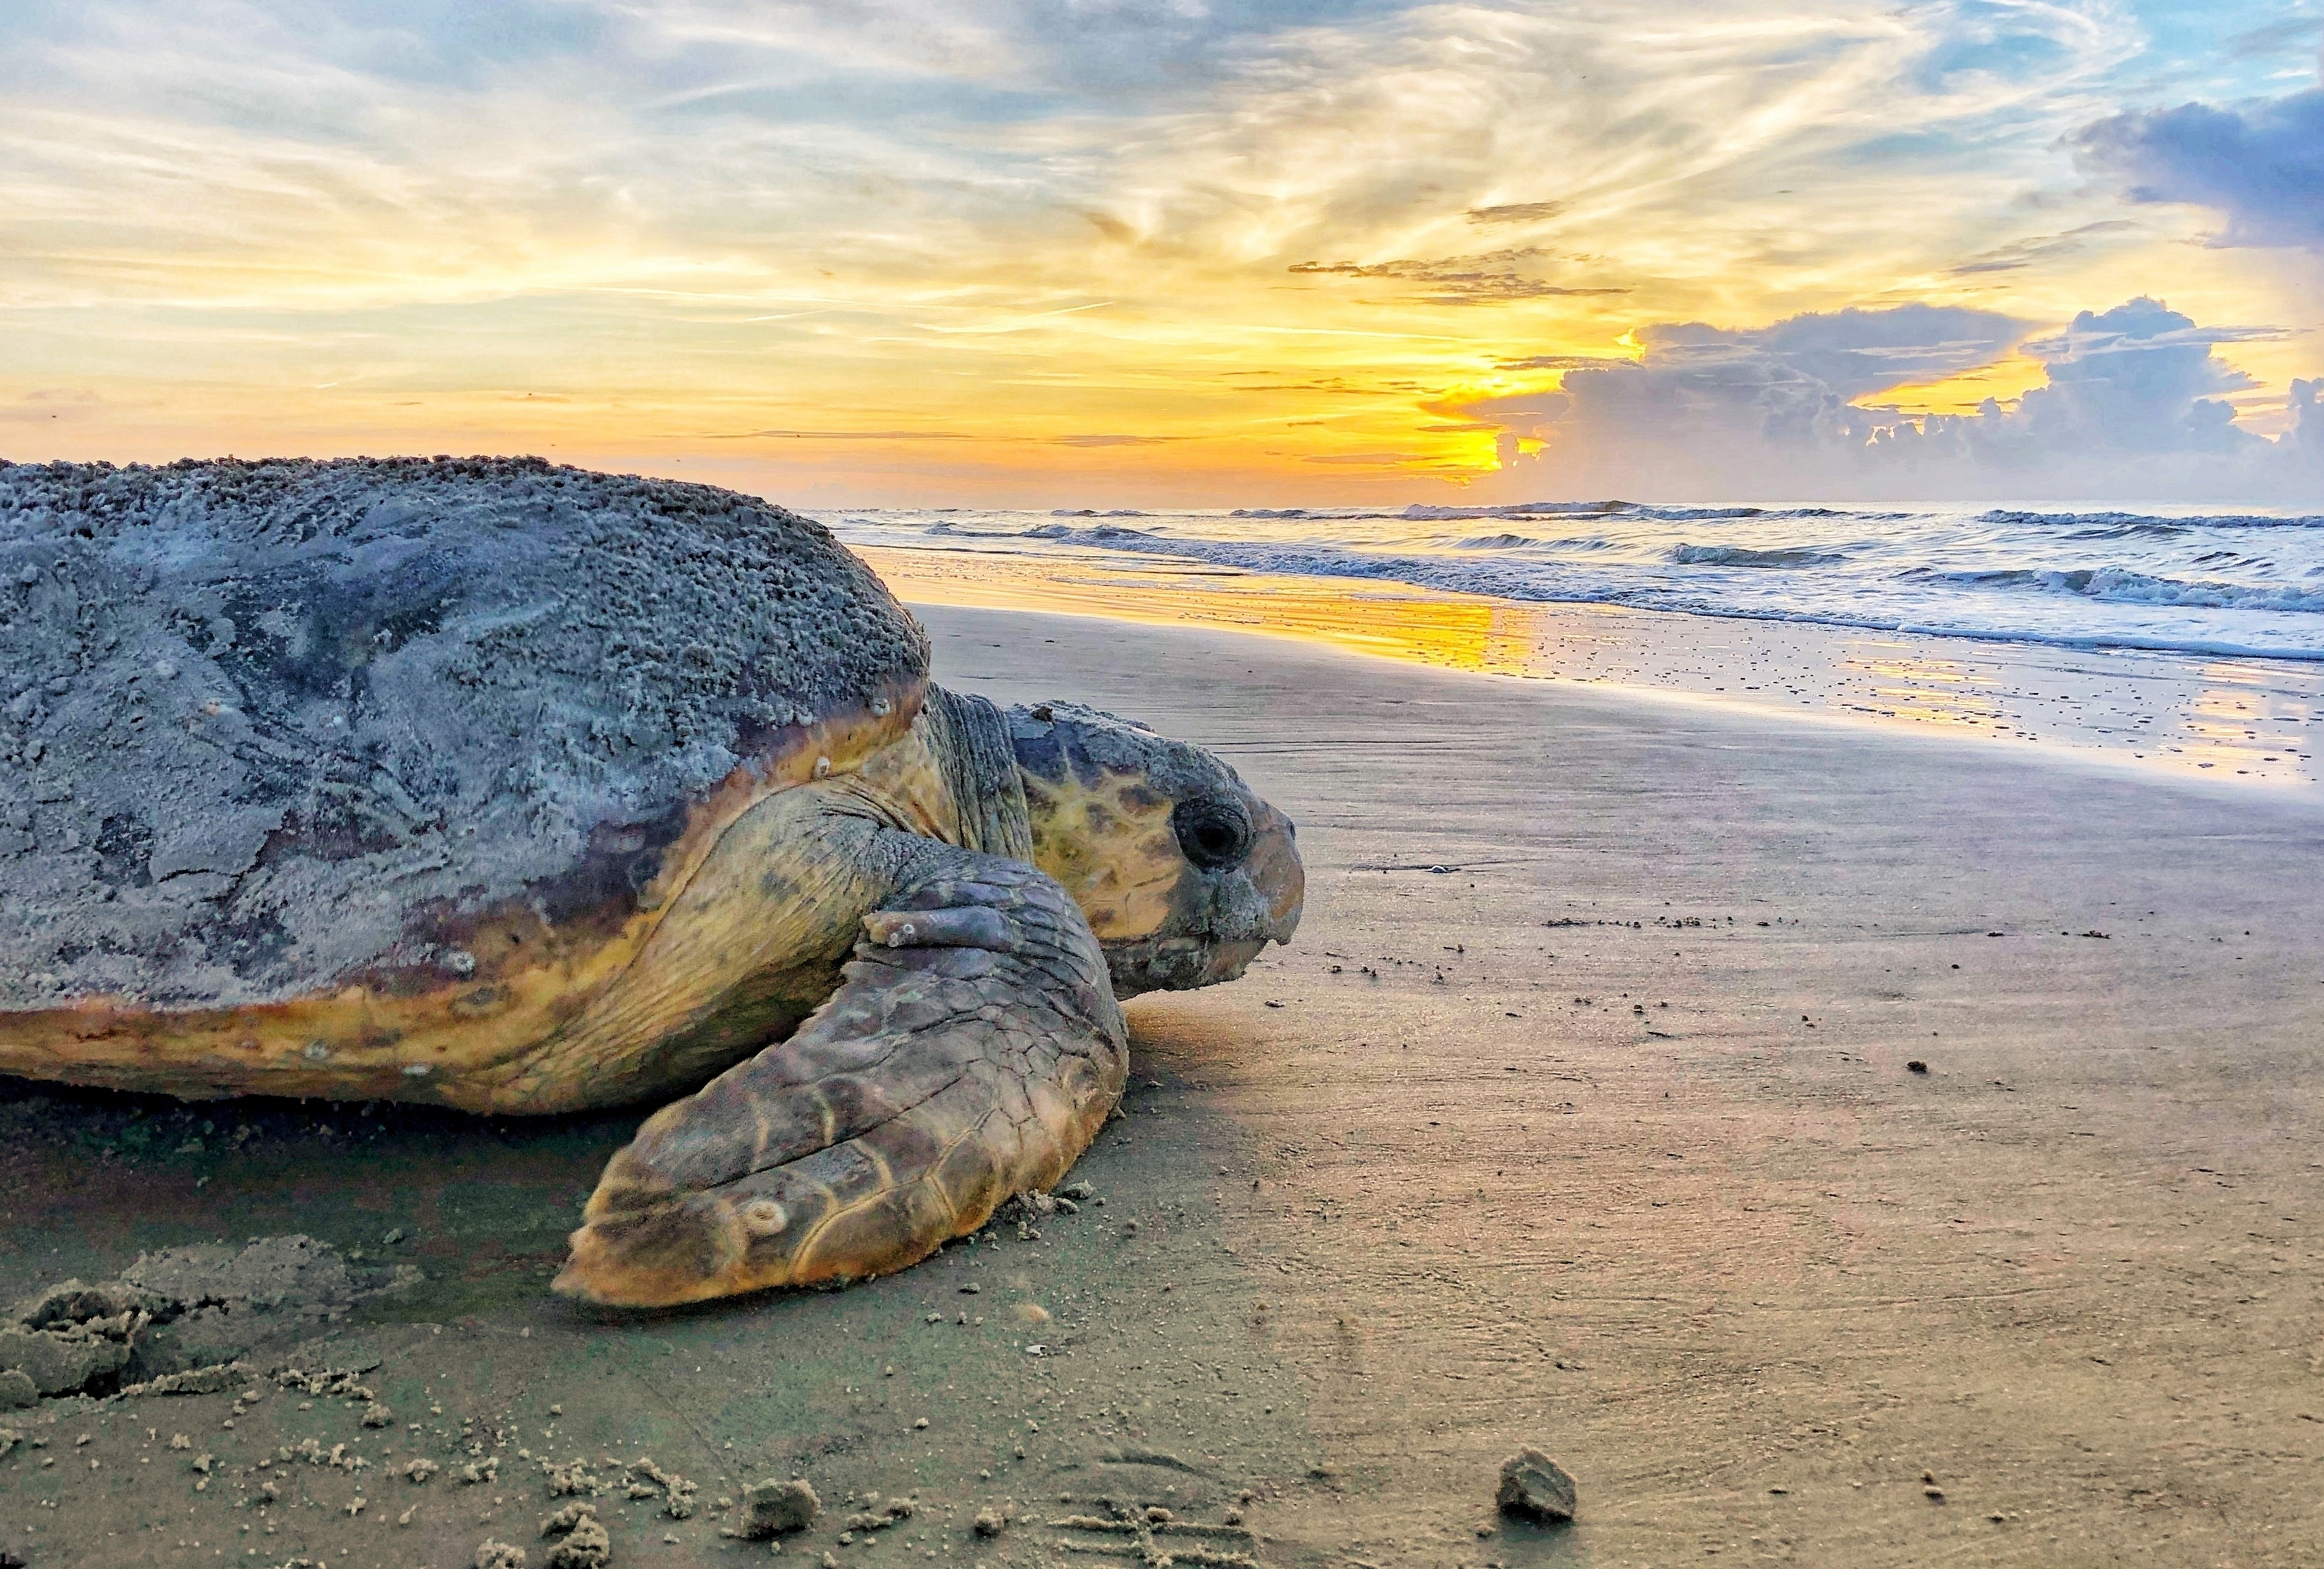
x,y
2261,721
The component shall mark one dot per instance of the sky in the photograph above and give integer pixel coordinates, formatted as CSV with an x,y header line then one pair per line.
x,y
1182,251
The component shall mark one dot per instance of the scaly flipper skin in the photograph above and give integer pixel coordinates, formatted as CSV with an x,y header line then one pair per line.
x,y
972,1052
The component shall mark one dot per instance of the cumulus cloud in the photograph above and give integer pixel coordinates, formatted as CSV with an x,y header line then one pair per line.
x,y
2132,409
1777,386
2259,164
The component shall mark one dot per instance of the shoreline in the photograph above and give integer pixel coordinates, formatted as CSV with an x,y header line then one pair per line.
x,y
2164,714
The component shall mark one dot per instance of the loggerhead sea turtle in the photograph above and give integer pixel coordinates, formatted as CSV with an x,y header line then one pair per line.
x,y
523,788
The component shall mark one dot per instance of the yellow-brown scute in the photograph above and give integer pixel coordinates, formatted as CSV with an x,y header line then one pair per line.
x,y
1106,838
647,995
1164,923
865,1207
645,1244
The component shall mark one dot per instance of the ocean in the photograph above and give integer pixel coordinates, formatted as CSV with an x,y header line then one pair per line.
x,y
2233,583
2173,638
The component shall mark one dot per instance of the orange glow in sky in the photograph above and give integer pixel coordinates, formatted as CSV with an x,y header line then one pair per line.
x,y
1032,253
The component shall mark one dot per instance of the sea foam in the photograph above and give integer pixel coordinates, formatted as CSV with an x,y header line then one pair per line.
x,y
2241,583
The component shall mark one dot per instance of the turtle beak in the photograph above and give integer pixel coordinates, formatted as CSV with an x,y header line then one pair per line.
x,y
1276,873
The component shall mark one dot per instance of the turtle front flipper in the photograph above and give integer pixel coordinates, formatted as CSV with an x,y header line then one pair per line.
x,y
970,1053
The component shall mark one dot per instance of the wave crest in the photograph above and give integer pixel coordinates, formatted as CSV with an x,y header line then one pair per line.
x,y
1742,556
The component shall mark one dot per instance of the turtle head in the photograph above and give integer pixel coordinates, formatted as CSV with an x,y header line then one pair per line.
x,y
1183,873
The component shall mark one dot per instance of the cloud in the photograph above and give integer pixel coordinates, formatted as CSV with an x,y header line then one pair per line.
x,y
43,404
1396,460
2274,39
1114,441
1562,361
838,436
1488,277
2131,381
2260,164
2132,410
2019,255
1851,351
1516,212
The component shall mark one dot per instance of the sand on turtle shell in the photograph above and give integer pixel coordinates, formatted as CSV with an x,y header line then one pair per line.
x,y
254,715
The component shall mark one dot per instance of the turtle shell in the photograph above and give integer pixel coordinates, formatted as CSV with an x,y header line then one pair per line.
x,y
269,730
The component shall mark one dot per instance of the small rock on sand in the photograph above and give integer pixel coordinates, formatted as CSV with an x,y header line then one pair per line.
x,y
773,1507
492,1554
1536,1487
17,1391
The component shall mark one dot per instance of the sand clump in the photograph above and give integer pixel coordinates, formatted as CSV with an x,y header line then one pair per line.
x,y
586,1544
775,1506
647,1480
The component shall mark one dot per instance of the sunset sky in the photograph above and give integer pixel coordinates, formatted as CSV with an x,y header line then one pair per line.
x,y
1126,252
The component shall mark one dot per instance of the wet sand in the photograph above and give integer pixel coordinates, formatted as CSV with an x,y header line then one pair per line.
x,y
1540,1159
1579,1115
2153,713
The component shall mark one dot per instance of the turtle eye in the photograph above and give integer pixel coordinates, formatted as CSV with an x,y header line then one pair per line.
x,y
1214,831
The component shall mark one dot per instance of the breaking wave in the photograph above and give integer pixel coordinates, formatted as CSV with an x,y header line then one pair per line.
x,y
1741,555
2220,583
2117,585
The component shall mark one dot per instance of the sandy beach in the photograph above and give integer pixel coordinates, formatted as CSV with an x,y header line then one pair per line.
x,y
1582,1113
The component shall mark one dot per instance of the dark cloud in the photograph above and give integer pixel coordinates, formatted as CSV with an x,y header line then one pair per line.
x,y
2260,164
1338,385
1113,440
2132,409
1562,362
47,403
1844,352
2022,254
2274,39
1488,277
840,435
1516,212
